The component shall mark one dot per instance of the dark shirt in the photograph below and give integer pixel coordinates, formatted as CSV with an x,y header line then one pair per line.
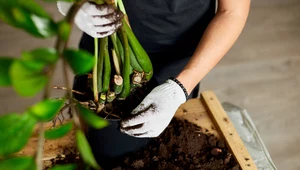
x,y
169,27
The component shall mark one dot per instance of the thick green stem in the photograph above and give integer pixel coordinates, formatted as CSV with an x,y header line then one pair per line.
x,y
100,63
110,96
102,98
107,69
134,63
121,51
116,62
121,6
126,67
113,39
95,74
118,84
141,55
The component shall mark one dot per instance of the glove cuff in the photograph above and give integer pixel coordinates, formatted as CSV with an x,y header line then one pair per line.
x,y
181,86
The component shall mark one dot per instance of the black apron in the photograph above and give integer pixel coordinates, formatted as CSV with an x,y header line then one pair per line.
x,y
169,31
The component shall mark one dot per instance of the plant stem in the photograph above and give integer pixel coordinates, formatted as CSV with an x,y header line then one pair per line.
x,y
106,69
126,67
75,117
39,154
116,62
95,74
121,6
66,77
62,45
70,20
59,46
141,55
100,66
70,90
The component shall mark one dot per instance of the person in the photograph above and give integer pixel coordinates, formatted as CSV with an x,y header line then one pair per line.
x,y
184,40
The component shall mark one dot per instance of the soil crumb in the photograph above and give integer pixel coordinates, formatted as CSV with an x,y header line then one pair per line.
x,y
181,147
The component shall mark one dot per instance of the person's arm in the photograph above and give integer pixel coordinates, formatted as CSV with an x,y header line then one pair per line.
x,y
155,112
218,38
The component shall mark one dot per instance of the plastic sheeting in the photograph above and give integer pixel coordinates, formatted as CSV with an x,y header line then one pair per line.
x,y
249,135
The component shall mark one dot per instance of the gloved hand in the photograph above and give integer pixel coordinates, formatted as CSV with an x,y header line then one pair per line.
x,y
155,112
97,21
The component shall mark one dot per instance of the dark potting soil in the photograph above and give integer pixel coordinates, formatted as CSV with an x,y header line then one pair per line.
x,y
181,147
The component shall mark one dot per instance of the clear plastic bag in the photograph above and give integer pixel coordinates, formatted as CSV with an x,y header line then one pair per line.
x,y
249,135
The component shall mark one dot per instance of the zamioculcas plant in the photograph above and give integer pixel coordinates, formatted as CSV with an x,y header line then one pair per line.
x,y
114,72
121,64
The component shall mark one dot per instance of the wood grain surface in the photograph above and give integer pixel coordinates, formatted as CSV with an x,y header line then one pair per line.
x,y
227,130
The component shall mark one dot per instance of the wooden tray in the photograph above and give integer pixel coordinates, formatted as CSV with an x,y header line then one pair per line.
x,y
208,113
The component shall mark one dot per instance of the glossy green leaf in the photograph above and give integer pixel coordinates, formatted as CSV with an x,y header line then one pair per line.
x,y
29,16
5,64
41,55
64,167
15,131
91,118
18,163
38,59
59,132
29,5
27,77
64,30
80,61
85,150
46,110
28,74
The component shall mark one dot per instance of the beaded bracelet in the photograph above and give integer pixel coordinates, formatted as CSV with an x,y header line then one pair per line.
x,y
182,87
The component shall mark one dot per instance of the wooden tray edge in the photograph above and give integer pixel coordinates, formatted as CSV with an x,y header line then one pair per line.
x,y
227,130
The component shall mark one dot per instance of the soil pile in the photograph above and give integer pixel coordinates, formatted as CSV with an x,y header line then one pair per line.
x,y
182,146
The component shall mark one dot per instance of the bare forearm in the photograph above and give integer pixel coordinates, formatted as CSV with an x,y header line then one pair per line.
x,y
218,38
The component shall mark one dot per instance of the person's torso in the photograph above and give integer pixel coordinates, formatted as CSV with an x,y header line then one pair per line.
x,y
169,26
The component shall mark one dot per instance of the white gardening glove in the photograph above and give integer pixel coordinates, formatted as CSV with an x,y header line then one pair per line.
x,y
155,112
97,21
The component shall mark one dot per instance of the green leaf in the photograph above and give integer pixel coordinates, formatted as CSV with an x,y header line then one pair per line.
x,y
85,150
64,167
80,61
18,163
29,5
27,78
5,64
59,131
46,110
41,55
33,7
64,30
15,131
29,74
91,118
29,16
